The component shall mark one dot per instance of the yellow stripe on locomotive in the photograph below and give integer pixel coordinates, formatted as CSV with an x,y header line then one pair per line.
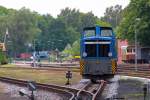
x,y
114,66
81,66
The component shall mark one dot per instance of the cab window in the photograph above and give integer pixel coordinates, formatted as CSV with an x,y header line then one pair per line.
x,y
106,32
89,33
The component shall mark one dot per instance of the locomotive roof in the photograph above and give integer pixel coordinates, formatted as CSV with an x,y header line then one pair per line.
x,y
91,28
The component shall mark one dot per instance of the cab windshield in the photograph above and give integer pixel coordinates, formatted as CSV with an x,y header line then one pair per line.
x,y
88,32
106,32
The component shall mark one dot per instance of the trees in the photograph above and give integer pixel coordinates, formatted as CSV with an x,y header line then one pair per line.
x,y
87,20
136,9
71,51
3,59
113,15
21,25
3,21
22,28
44,22
26,27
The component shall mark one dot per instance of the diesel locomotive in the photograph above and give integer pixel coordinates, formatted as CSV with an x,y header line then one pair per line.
x,y
98,52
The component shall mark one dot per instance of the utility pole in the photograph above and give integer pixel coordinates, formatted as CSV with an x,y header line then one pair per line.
x,y
135,49
135,43
5,36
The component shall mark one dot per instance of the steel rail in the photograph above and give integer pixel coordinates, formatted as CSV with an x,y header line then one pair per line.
x,y
82,89
82,93
62,89
99,90
71,91
75,69
91,95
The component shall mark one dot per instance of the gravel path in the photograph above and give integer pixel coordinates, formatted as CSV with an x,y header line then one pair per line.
x,y
125,88
129,88
11,92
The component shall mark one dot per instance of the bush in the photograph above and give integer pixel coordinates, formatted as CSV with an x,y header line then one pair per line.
x,y
3,58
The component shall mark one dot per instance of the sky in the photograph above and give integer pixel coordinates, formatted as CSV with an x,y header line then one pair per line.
x,y
54,7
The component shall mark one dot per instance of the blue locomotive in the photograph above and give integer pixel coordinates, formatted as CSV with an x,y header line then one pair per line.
x,y
98,52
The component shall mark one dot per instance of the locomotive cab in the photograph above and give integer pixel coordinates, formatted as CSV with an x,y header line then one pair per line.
x,y
98,52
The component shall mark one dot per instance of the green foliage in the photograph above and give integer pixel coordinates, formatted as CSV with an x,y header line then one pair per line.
x,y
3,59
126,30
67,50
3,21
102,23
87,20
76,48
65,29
3,11
113,15
26,27
71,51
24,30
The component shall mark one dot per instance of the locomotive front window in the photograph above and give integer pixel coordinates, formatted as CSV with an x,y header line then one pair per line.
x,y
88,33
106,32
90,50
103,50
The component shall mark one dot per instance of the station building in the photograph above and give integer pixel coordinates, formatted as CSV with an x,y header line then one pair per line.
x,y
126,53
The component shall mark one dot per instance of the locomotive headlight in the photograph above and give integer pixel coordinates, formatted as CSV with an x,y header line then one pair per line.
x,y
84,54
110,54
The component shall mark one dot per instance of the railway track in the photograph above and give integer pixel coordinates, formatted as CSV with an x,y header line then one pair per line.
x,y
48,64
129,70
94,90
60,65
54,88
88,92
55,68
126,69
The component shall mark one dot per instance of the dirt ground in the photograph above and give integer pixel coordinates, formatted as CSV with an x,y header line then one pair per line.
x,y
42,76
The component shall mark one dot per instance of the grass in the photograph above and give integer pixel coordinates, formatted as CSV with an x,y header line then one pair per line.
x,y
8,65
42,76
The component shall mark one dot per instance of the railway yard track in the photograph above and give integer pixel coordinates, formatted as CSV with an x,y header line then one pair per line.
x,y
48,67
129,70
94,90
66,92
143,70
89,91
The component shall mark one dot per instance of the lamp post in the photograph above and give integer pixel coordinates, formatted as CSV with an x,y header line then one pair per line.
x,y
57,51
34,52
5,37
50,45
135,42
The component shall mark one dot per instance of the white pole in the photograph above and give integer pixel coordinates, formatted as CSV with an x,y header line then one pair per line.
x,y
5,35
135,49
137,19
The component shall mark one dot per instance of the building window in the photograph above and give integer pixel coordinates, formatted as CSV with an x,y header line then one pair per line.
x,y
129,50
